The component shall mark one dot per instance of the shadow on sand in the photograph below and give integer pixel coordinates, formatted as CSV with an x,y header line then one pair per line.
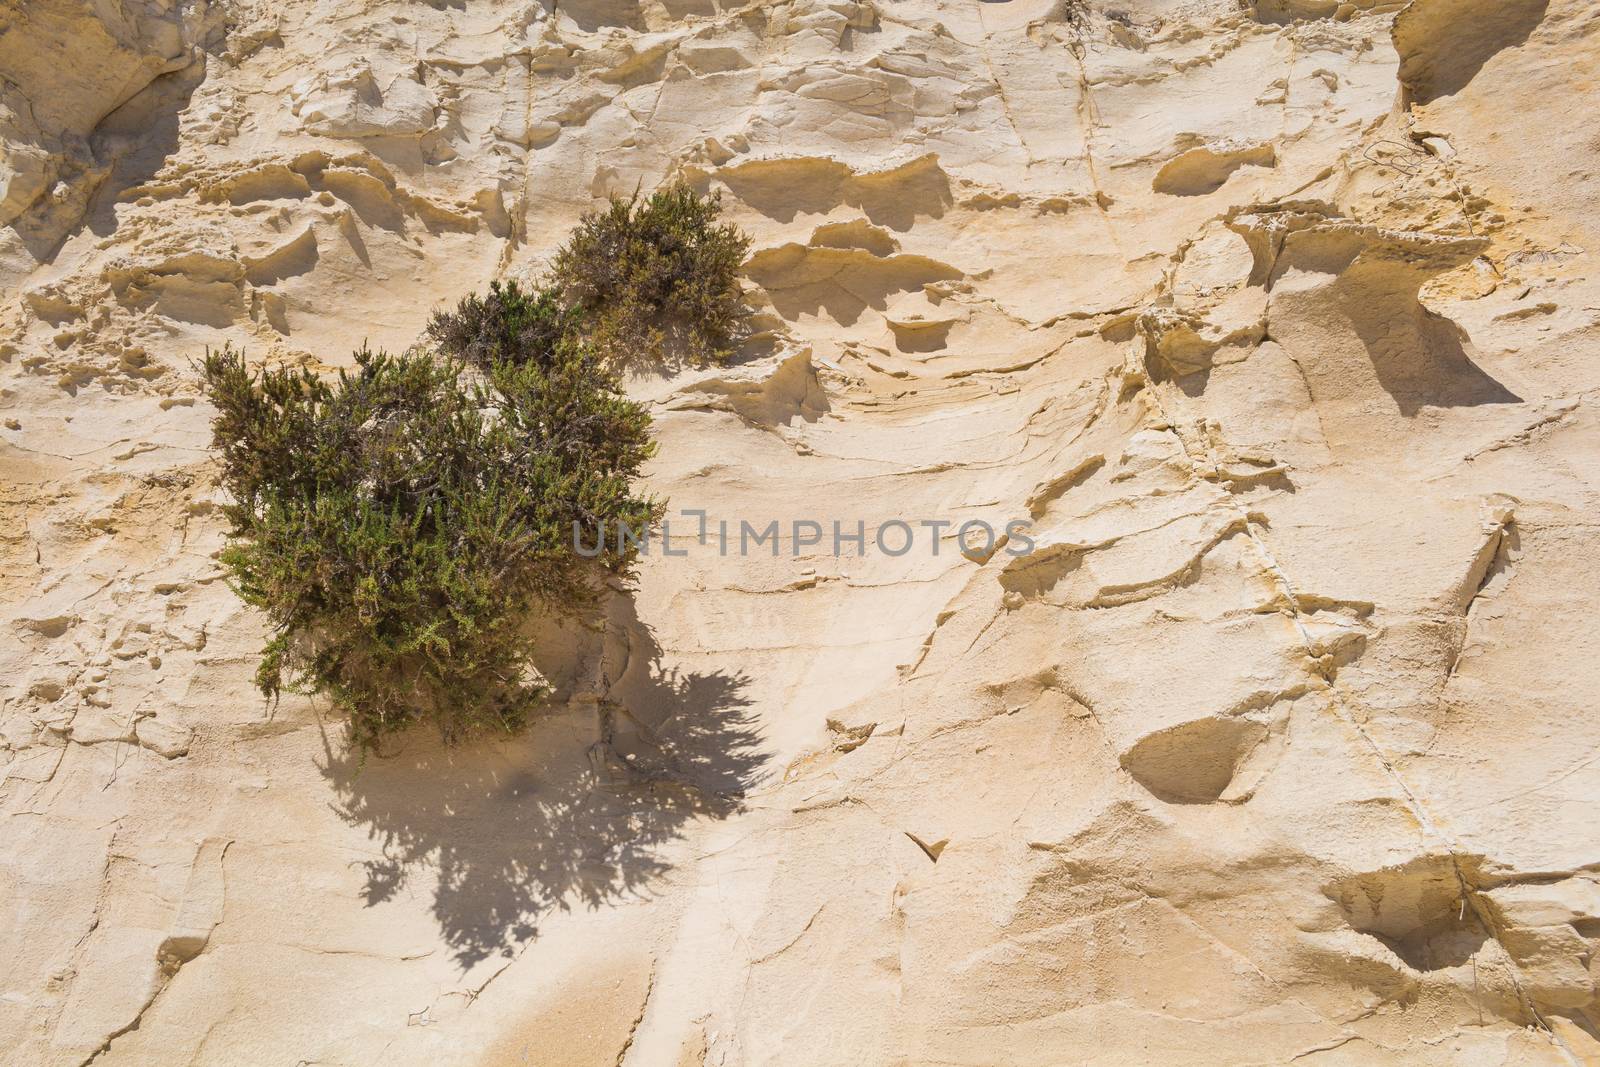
x,y
572,813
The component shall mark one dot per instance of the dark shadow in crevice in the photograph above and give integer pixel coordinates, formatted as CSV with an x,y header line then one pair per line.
x,y
1421,360
138,138
126,149
784,188
841,284
1194,762
1451,943
1443,44
594,15
1417,909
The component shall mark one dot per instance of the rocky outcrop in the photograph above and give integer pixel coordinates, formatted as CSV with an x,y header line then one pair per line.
x,y
75,77
1274,322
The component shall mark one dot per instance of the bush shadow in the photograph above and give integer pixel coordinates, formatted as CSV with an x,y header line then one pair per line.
x,y
576,812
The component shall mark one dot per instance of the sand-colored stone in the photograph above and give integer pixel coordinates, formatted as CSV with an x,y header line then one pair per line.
x,y
1278,319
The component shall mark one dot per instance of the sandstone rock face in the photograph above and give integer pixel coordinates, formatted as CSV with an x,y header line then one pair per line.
x,y
1279,320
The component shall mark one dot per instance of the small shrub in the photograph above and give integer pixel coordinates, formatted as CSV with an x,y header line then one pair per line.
x,y
508,325
399,525
658,279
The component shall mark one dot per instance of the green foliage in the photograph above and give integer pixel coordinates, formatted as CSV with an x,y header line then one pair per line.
x,y
402,524
657,280
508,325
399,525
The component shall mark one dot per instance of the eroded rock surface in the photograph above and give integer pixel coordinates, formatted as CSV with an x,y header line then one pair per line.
x,y
1279,321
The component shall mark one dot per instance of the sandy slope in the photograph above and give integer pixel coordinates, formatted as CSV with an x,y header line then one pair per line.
x,y
1277,319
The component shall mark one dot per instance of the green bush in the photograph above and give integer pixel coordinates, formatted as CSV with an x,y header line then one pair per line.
x,y
508,325
400,525
657,280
